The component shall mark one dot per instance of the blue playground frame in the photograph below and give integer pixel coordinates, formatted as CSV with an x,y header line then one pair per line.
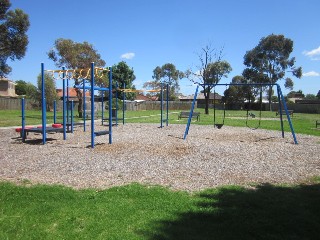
x,y
44,129
280,98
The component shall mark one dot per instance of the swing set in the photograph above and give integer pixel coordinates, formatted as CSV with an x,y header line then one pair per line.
x,y
219,125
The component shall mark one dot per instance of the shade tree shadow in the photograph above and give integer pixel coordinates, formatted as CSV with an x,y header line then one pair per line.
x,y
262,212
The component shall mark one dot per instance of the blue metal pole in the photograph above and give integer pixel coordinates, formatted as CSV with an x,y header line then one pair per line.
x,y
123,103
102,108
191,113
84,105
116,112
43,105
64,121
161,118
92,105
110,105
54,111
72,116
68,115
280,110
23,119
288,116
167,104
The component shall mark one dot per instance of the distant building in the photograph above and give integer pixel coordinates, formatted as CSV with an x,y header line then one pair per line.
x,y
140,97
201,99
72,94
7,88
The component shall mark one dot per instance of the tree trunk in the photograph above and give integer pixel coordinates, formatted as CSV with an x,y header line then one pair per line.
x,y
80,106
206,97
269,98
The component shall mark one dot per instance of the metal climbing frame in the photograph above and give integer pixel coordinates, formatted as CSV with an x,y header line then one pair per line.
x,y
280,97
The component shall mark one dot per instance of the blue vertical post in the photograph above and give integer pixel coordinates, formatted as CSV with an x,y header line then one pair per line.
x,y
23,120
161,107
280,110
68,107
123,103
43,106
191,113
84,105
54,111
116,112
288,116
110,105
167,119
64,121
72,116
92,104
102,108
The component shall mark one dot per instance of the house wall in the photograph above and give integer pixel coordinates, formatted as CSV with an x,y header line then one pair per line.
x,y
7,88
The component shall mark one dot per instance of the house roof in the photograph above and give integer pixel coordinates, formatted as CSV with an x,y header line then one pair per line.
x,y
141,97
7,80
201,96
72,92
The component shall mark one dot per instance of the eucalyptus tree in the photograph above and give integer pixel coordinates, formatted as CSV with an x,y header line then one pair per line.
x,y
170,75
73,55
50,90
210,71
13,38
123,77
270,60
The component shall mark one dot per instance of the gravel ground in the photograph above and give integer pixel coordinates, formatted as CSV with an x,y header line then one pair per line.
x,y
146,154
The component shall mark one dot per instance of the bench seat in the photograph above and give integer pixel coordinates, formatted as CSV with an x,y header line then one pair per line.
x,y
283,112
186,115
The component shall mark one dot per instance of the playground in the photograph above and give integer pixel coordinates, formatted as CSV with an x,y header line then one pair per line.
x,y
147,154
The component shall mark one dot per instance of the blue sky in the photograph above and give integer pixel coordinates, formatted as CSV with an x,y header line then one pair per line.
x,y
149,33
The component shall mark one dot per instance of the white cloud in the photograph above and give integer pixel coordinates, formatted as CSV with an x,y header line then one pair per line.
x,y
314,54
129,55
311,74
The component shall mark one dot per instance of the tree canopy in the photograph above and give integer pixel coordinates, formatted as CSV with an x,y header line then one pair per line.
x,y
50,89
168,74
124,76
210,71
269,61
75,55
13,37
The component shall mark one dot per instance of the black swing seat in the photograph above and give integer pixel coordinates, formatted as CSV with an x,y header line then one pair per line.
x,y
101,133
252,115
219,125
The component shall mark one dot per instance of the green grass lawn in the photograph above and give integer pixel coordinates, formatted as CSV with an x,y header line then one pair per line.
x,y
143,212
302,123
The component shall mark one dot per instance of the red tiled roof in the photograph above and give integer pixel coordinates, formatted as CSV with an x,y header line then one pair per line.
x,y
72,92
145,98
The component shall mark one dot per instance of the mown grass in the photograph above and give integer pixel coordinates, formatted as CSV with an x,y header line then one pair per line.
x,y
144,212
302,123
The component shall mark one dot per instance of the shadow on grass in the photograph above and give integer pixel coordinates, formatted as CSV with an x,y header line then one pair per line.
x,y
265,212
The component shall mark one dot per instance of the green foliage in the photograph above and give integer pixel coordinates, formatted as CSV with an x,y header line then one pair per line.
x,y
75,55
236,95
311,97
123,77
28,90
169,75
50,90
13,38
115,105
21,87
143,212
269,61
